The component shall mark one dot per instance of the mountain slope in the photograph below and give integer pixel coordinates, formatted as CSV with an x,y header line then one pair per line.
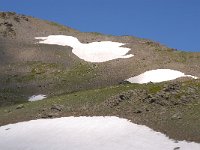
x,y
76,87
29,68
170,108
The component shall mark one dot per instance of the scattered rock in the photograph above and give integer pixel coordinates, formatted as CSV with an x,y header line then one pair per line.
x,y
7,129
124,82
20,106
57,107
119,98
171,95
7,29
38,116
177,116
191,90
17,19
43,109
24,17
50,115
137,111
123,97
3,15
171,87
7,111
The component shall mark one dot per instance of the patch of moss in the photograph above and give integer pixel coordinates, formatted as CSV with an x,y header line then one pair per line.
x,y
79,73
26,78
55,24
10,96
61,27
96,33
153,88
40,68
180,57
37,70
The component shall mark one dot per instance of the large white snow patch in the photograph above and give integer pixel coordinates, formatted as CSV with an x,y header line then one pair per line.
x,y
86,133
37,97
158,75
91,52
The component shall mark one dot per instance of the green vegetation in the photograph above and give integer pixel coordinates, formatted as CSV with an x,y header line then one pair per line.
x,y
80,72
56,24
37,70
96,33
181,57
41,68
72,102
158,114
54,77
81,88
154,89
61,27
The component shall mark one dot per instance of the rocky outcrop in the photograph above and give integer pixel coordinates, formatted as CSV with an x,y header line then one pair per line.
x,y
170,94
173,94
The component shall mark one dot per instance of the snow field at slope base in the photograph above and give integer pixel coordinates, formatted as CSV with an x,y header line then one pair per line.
x,y
92,52
158,75
37,97
86,133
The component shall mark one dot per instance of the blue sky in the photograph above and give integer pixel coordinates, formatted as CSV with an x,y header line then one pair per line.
x,y
175,23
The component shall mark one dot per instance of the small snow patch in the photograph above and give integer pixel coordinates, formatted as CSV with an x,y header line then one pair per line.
x,y
92,52
86,133
158,75
37,97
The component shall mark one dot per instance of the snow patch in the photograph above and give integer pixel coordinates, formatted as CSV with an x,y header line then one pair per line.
x,y
158,75
86,133
37,97
92,52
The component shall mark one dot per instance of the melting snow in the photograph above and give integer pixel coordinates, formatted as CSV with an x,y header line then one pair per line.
x,y
158,75
86,133
37,97
91,52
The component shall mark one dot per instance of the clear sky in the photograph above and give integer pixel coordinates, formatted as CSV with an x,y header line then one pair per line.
x,y
175,23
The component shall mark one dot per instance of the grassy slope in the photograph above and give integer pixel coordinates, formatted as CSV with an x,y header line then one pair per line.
x,y
178,119
50,79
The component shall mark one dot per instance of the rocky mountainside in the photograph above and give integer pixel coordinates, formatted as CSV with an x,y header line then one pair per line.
x,y
77,87
28,67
